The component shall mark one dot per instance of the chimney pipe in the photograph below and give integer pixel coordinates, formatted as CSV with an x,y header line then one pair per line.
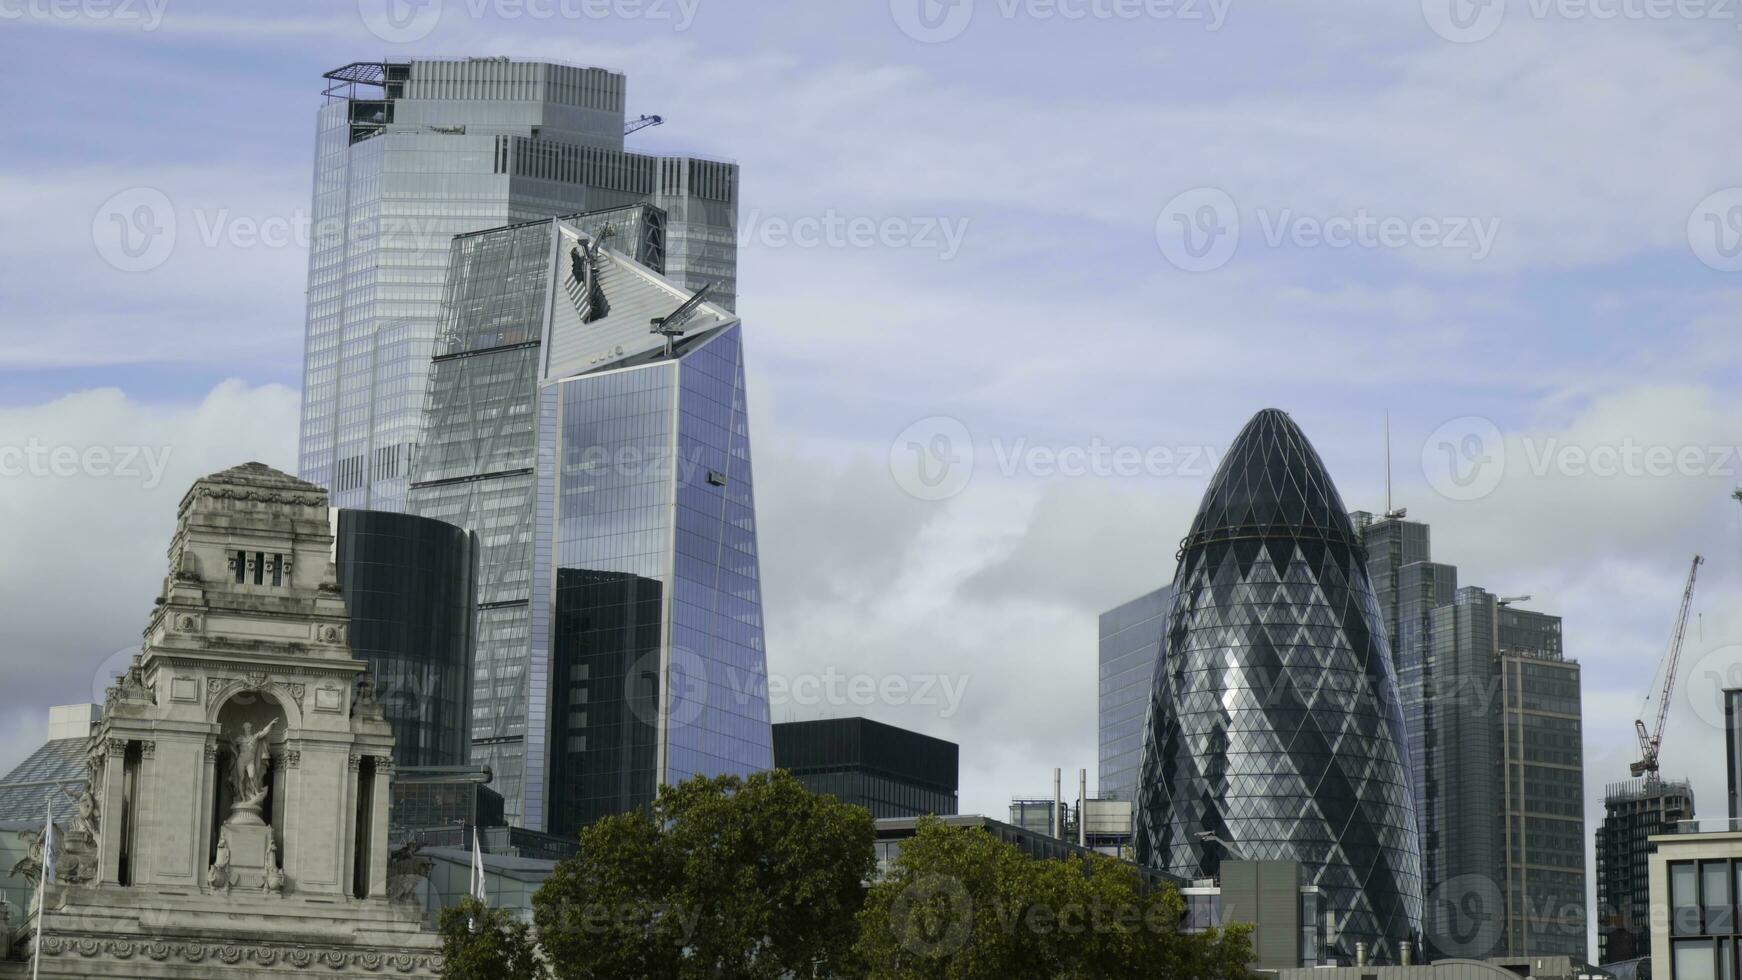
x,y
1082,806
1360,954
1405,953
1058,796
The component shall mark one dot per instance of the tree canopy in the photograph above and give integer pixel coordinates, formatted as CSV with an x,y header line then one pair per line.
x,y
759,878
960,904
754,877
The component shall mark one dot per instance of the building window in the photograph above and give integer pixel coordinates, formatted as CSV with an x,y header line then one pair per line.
x,y
1695,959
1684,899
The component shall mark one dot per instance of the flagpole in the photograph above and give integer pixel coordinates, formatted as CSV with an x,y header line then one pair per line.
x,y
42,891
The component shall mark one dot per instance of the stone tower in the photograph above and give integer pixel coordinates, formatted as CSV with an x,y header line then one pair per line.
x,y
236,821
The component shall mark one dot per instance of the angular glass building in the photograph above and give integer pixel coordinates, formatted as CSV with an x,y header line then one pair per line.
x,y
1131,637
606,469
1274,728
409,154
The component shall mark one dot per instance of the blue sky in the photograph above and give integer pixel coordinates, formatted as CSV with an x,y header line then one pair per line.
x,y
1065,152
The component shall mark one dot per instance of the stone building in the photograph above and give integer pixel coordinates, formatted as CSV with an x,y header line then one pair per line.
x,y
235,820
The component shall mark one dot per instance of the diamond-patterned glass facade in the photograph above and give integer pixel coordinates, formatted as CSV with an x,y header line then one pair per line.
x,y
1275,730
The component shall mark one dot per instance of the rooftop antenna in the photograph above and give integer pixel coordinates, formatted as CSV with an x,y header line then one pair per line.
x,y
1391,513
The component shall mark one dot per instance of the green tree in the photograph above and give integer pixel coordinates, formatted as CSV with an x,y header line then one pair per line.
x,y
480,943
755,878
960,904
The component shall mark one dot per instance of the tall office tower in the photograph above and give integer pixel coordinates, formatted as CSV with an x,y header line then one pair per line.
x,y
1130,646
1633,813
1464,661
606,470
410,154
1542,789
1275,731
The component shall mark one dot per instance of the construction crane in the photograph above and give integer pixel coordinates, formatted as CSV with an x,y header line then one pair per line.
x,y
637,125
1651,740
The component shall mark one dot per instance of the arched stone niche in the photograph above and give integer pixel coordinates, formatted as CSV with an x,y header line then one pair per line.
x,y
248,804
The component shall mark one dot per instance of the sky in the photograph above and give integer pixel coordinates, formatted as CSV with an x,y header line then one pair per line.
x,y
1013,273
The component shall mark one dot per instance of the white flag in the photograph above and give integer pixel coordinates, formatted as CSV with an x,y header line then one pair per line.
x,y
478,870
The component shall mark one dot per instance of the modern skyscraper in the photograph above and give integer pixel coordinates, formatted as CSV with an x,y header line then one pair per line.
x,y
1492,711
1633,813
410,586
410,154
1275,730
606,470
890,771
1130,646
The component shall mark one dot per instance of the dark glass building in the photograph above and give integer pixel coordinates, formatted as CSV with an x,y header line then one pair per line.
x,y
1492,709
890,771
1633,813
1275,730
409,585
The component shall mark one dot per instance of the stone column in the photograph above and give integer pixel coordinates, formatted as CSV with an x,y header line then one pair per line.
x,y
111,797
378,826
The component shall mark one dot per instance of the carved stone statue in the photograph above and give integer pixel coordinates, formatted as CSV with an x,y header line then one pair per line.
x,y
29,867
219,875
272,882
86,823
405,868
248,765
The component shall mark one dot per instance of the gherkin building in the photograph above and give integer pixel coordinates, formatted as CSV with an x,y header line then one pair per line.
x,y
1275,731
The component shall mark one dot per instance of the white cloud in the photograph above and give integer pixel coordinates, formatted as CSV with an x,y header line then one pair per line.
x,y
89,548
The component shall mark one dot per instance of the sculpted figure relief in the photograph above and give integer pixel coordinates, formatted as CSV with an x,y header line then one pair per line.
x,y
248,766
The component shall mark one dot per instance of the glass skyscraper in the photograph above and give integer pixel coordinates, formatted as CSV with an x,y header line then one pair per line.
x,y
410,587
606,470
1275,731
410,154
1492,710
1131,636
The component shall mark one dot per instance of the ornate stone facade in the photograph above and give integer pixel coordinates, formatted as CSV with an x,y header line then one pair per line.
x,y
236,821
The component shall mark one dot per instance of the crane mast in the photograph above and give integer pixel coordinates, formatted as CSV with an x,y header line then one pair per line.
x,y
1651,739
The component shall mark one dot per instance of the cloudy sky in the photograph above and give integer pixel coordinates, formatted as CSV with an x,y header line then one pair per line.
x,y
1013,272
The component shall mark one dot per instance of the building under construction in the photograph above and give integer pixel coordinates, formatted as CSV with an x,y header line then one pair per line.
x,y
1633,812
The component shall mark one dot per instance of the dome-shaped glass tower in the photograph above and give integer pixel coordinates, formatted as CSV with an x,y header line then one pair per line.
x,y
1274,729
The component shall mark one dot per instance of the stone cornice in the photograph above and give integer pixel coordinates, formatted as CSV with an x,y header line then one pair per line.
x,y
289,957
